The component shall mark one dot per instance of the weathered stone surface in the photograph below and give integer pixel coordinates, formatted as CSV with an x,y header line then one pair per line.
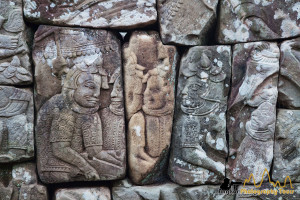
x,y
80,132
15,66
289,83
287,146
20,183
92,13
149,76
254,20
101,193
186,22
199,146
16,124
125,190
282,193
251,109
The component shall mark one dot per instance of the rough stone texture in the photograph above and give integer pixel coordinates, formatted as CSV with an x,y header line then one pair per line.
x,y
254,20
251,109
100,193
16,124
287,146
149,73
20,183
80,133
271,196
92,13
186,22
289,84
199,146
125,190
15,66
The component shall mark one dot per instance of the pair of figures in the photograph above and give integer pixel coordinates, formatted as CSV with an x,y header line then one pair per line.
x,y
74,141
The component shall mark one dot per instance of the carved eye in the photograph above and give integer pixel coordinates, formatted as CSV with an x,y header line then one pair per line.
x,y
90,86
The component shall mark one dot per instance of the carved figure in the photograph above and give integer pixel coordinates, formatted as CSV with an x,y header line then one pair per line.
x,y
251,137
14,58
199,130
77,139
16,124
150,101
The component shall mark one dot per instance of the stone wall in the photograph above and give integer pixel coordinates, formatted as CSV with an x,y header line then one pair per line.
x,y
145,99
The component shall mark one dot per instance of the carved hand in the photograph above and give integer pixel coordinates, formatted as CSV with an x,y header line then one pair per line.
x,y
9,42
90,173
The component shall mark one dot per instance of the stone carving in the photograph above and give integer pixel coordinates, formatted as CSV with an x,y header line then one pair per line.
x,y
199,146
289,85
287,146
149,73
16,124
21,184
100,193
251,114
15,67
245,21
186,22
125,190
80,132
92,13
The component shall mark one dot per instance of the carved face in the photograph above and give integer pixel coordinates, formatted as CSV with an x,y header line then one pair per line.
x,y
192,92
155,93
116,94
88,90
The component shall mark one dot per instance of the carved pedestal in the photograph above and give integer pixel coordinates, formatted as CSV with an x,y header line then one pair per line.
x,y
80,132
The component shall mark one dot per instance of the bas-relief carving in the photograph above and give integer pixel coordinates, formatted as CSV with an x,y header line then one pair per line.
x,y
15,67
186,22
100,193
168,190
199,147
252,114
149,73
289,85
243,21
287,146
80,128
21,184
92,13
16,124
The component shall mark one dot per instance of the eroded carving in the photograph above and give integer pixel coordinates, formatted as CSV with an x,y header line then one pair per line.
x,y
186,22
251,116
92,13
289,85
80,129
16,124
287,146
242,21
21,184
101,193
199,144
149,90
15,67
